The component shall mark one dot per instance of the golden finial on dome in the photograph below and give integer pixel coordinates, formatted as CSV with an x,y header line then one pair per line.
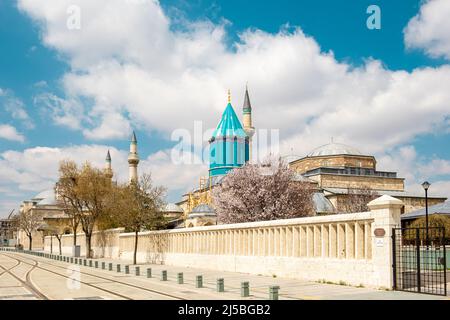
x,y
229,96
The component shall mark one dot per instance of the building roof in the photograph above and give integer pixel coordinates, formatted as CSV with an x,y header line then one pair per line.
x,y
322,204
203,210
172,207
332,149
441,208
229,125
405,194
46,197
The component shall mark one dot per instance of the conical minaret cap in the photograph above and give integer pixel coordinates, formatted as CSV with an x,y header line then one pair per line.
x,y
133,137
247,104
108,157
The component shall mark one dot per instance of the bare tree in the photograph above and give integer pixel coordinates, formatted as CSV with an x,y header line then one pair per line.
x,y
137,207
28,222
356,200
268,191
58,229
68,195
93,189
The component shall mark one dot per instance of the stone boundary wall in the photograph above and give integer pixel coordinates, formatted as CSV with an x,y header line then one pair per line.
x,y
105,244
333,248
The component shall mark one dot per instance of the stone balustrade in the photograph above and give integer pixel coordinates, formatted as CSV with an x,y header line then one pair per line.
x,y
338,248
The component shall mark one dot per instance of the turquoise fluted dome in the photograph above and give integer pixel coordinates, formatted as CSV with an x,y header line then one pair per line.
x,y
229,145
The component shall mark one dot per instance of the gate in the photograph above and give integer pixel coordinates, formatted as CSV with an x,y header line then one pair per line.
x,y
419,260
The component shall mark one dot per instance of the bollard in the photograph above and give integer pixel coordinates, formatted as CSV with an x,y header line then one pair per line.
x,y
199,281
71,260
245,289
90,263
103,265
180,279
80,261
273,292
76,260
164,275
220,285
127,269
110,266
85,262
96,264
149,272
118,268
137,271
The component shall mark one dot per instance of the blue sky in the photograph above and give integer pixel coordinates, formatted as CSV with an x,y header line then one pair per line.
x,y
59,97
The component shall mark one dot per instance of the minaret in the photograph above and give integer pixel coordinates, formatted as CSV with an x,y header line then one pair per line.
x,y
108,168
247,121
133,159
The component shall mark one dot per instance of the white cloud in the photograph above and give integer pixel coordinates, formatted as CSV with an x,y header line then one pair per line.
x,y
64,112
417,169
130,68
36,169
15,107
133,68
429,30
8,132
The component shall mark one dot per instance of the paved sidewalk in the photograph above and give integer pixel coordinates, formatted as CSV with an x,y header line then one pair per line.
x,y
290,289
104,284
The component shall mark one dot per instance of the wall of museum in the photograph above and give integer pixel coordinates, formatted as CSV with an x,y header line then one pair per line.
x,y
307,164
355,182
332,248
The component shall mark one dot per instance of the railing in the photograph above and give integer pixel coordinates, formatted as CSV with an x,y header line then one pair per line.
x,y
346,236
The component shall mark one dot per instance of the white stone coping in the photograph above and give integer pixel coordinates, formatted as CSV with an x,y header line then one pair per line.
x,y
94,233
337,218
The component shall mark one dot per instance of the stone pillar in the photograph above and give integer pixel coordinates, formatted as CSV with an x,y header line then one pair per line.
x,y
386,212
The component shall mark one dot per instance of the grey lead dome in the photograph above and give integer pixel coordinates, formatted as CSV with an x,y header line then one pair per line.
x,y
334,149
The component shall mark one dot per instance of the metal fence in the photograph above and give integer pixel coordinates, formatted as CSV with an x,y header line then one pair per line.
x,y
419,260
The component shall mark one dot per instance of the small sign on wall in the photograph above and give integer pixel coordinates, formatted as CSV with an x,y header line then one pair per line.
x,y
379,232
379,242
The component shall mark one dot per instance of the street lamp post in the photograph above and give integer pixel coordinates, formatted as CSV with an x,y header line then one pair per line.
x,y
425,186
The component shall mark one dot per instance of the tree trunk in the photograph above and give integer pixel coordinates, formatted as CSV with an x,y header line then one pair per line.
x,y
88,245
30,238
74,236
51,245
60,248
136,236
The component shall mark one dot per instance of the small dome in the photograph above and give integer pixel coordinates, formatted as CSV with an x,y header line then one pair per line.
x,y
172,207
203,209
46,197
332,149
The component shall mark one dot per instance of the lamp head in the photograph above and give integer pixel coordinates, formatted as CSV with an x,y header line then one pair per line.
x,y
426,185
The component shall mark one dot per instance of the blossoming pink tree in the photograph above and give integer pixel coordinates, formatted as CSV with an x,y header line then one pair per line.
x,y
269,191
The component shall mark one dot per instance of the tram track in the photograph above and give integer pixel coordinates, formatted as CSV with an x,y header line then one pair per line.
x,y
95,276
4,272
27,283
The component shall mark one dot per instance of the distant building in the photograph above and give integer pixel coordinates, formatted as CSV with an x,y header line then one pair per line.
x,y
46,207
8,231
440,209
338,168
